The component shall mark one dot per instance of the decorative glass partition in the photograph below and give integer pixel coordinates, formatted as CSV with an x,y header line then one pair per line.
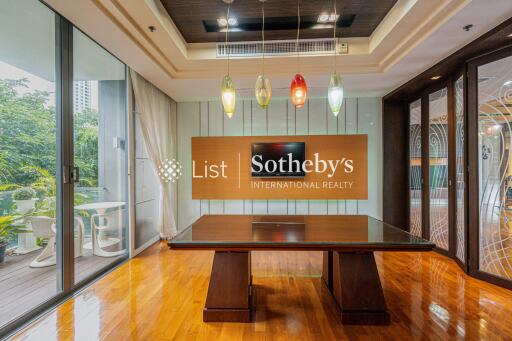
x,y
438,167
495,173
460,249
415,174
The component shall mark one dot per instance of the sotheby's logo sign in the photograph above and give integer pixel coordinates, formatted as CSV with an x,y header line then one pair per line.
x,y
298,167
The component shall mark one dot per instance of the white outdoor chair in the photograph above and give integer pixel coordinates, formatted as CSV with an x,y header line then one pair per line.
x,y
79,236
104,224
44,227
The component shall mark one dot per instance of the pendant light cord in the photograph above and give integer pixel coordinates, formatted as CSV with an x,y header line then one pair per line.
x,y
335,24
298,31
227,32
263,33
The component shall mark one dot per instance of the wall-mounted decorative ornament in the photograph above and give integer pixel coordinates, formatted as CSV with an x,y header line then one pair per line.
x,y
169,170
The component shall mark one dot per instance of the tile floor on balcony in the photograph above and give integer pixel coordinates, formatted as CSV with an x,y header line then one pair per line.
x,y
22,287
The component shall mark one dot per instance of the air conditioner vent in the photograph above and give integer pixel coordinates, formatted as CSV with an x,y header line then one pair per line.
x,y
280,47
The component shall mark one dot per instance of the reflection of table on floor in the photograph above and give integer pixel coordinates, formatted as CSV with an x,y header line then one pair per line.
x,y
349,269
102,240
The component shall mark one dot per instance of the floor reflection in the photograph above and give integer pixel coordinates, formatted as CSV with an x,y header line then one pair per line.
x,y
161,293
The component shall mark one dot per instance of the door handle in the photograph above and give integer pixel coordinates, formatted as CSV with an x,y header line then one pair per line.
x,y
75,175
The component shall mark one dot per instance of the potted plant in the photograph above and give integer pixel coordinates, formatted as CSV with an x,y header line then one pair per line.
x,y
8,229
25,199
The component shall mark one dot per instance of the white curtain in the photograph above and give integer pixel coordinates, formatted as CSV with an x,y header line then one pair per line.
x,y
159,133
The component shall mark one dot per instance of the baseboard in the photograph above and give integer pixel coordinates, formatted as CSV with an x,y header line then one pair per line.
x,y
145,245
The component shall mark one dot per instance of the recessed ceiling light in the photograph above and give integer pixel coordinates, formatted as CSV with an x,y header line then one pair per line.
x,y
510,35
333,17
323,18
507,83
232,21
435,77
222,22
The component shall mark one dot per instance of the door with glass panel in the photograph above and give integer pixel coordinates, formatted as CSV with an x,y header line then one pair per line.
x,y
460,173
415,173
493,114
100,157
438,168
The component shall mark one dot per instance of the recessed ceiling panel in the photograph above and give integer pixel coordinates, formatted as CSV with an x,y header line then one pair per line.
x,y
197,20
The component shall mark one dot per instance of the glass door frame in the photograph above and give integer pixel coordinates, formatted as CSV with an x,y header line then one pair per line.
x,y
472,170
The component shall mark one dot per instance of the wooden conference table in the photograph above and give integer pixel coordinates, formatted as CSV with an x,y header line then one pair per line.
x,y
349,269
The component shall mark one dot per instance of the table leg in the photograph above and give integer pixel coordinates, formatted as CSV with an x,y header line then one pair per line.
x,y
357,289
229,297
327,269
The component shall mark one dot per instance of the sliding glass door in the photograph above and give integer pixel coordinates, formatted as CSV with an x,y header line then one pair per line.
x,y
494,124
415,173
99,143
438,168
460,173
30,236
63,166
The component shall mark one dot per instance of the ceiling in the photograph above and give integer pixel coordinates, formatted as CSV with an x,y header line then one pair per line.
x,y
194,17
413,36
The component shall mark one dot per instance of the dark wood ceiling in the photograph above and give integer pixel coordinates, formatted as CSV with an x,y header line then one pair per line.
x,y
190,17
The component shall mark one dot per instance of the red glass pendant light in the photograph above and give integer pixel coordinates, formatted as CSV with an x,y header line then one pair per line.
x,y
298,91
298,88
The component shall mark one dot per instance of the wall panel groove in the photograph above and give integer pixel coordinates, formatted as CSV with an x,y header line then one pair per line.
x,y
280,118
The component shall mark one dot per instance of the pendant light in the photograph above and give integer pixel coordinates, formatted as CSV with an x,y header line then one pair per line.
x,y
335,91
228,92
263,89
298,88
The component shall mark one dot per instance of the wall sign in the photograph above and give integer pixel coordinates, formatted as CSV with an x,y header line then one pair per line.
x,y
280,167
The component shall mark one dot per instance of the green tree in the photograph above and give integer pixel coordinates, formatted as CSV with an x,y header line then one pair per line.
x,y
27,132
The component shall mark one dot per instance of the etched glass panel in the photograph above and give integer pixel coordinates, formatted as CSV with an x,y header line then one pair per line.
x,y
438,167
495,173
415,168
459,168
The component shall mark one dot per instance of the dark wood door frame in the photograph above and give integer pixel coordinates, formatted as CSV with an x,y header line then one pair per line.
x,y
472,146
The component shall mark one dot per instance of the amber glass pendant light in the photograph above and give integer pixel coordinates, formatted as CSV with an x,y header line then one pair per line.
x,y
228,91
335,91
263,89
298,88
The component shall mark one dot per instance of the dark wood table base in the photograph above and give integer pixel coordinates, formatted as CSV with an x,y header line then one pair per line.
x,y
352,278
229,296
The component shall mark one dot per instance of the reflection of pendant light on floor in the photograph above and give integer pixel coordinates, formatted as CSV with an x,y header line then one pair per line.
x,y
298,88
335,91
228,92
263,89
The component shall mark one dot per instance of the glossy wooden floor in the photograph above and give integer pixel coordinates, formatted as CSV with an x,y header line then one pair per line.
x,y
160,294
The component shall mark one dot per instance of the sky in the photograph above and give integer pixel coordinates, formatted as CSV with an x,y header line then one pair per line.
x,y
37,83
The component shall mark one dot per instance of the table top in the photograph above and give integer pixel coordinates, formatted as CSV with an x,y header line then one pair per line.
x,y
100,205
312,232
